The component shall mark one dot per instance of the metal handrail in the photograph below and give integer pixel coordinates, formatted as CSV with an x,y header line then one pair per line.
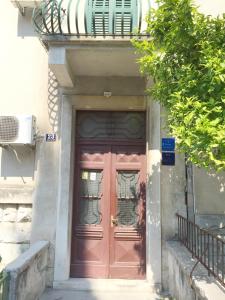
x,y
207,247
70,17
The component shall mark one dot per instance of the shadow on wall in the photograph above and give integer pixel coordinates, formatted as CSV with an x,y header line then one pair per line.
x,y
153,219
46,183
164,204
17,161
218,179
53,102
209,191
172,194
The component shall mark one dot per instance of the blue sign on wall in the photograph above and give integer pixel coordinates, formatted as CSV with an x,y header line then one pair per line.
x,y
168,158
168,144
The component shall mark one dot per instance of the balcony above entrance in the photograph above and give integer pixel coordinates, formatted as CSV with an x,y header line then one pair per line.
x,y
91,18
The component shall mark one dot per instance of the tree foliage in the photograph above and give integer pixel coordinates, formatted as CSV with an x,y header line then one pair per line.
x,y
185,56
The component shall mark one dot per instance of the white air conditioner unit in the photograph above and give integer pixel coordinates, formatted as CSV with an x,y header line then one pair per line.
x,y
18,129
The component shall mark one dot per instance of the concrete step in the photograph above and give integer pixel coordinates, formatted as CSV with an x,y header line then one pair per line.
x,y
59,294
89,284
102,289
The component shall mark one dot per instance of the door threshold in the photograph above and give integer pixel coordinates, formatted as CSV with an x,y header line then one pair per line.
x,y
90,284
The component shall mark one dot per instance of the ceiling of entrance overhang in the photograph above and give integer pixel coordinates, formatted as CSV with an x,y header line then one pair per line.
x,y
103,62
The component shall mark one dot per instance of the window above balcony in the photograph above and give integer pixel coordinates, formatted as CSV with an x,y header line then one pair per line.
x,y
91,17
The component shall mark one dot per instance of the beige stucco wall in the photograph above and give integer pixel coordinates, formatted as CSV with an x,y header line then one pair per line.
x,y
209,190
23,90
208,7
27,87
209,186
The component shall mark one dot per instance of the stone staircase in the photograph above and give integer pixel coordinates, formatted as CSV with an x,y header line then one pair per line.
x,y
102,289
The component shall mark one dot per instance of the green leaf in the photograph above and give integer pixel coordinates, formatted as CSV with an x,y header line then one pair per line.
x,y
185,56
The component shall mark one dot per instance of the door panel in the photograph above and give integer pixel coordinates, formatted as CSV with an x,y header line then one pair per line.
x,y
90,235
127,240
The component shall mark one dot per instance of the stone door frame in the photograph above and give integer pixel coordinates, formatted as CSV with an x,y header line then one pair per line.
x,y
69,105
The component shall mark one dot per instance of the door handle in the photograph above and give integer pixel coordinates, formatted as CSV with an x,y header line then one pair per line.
x,y
114,222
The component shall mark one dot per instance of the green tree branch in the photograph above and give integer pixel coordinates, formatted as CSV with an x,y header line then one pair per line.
x,y
186,59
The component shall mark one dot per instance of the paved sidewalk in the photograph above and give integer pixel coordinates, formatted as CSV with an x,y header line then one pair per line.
x,y
56,294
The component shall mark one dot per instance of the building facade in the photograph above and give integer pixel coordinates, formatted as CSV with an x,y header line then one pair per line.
x,y
93,184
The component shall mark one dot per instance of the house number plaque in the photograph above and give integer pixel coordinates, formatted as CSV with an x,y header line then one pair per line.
x,y
50,137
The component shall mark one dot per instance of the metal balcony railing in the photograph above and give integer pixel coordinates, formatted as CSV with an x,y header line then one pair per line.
x,y
206,246
91,17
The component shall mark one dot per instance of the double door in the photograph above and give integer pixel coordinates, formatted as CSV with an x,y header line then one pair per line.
x,y
109,212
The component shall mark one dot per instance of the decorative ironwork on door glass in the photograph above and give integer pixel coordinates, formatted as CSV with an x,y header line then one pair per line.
x,y
127,198
111,125
90,195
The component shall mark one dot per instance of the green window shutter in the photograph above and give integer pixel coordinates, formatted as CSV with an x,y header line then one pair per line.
x,y
125,16
98,16
111,16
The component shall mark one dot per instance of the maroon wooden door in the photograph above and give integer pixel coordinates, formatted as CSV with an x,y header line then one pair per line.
x,y
127,230
90,246
108,231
